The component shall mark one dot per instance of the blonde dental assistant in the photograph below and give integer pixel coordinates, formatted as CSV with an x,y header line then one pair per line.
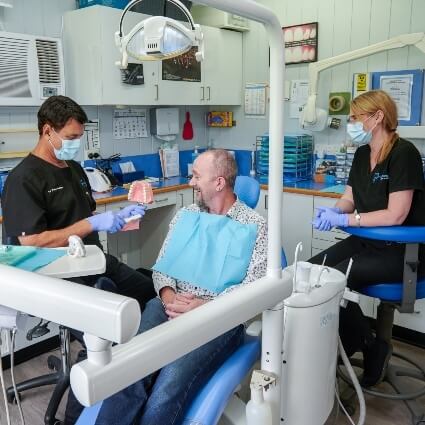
x,y
385,188
47,198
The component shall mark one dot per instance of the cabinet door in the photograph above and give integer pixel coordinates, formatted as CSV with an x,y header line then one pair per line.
x,y
184,198
297,212
222,67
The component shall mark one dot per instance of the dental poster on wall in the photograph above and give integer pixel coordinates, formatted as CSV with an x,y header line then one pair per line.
x,y
182,68
301,43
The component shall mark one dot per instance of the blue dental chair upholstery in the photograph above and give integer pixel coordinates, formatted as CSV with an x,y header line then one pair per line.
x,y
209,404
400,296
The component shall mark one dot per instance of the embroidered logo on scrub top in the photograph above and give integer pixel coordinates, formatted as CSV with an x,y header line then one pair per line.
x,y
378,177
55,189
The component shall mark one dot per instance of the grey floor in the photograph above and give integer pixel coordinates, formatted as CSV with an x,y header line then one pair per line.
x,y
379,411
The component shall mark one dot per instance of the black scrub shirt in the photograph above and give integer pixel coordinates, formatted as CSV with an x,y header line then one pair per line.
x,y
39,196
401,170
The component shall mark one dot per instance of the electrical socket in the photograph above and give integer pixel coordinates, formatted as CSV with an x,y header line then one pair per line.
x,y
89,152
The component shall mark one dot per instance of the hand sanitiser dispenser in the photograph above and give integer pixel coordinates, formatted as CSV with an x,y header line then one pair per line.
x,y
164,123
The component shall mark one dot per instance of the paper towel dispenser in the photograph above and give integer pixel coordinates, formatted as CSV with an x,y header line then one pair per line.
x,y
164,121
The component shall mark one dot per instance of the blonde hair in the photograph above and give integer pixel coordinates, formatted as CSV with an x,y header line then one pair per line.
x,y
372,102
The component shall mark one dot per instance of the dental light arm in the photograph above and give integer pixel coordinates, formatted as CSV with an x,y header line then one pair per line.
x,y
154,349
103,316
309,116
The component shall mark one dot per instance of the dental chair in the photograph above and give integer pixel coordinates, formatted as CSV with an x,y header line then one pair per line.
x,y
400,296
209,405
60,365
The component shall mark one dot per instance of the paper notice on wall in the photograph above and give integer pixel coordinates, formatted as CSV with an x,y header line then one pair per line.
x,y
299,96
129,123
91,138
255,99
399,87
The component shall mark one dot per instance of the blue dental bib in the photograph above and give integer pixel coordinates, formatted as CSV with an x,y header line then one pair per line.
x,y
209,251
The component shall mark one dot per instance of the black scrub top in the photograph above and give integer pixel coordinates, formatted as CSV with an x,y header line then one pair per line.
x,y
39,196
401,170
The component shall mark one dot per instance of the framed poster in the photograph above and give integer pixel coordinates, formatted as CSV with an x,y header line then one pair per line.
x,y
301,43
406,89
182,68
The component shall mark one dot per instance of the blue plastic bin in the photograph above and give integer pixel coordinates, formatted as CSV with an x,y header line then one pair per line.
x,y
119,4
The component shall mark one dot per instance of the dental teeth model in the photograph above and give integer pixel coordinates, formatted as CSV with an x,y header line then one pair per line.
x,y
140,192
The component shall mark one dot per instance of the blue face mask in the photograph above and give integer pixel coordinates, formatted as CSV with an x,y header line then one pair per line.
x,y
68,150
357,132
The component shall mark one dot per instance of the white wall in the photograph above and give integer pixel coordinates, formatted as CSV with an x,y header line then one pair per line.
x,y
344,25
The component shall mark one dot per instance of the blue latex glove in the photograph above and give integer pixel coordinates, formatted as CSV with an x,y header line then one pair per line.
x,y
321,210
132,210
106,222
329,219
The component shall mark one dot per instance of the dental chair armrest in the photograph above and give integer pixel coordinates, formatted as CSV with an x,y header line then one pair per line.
x,y
402,234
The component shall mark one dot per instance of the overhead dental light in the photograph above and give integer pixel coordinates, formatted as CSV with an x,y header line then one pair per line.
x,y
158,37
316,119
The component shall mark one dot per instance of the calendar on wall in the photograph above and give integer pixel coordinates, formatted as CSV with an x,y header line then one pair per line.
x,y
129,123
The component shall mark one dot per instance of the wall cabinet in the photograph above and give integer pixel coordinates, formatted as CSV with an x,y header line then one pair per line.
x,y
92,78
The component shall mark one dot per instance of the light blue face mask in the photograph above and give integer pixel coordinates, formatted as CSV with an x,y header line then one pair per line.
x,y
357,132
68,150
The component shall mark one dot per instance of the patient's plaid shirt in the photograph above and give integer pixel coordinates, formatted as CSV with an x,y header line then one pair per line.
x,y
257,266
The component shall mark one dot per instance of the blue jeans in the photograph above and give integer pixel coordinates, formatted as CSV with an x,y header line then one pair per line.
x,y
162,397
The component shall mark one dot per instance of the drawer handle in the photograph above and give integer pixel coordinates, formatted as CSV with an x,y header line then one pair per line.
x,y
161,200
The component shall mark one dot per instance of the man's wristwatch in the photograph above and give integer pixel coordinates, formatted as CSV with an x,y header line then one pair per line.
x,y
357,217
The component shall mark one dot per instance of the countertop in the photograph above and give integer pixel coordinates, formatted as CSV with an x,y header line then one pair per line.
x,y
178,183
119,194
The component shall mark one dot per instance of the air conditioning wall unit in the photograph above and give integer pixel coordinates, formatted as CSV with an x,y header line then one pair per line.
x,y
205,15
31,69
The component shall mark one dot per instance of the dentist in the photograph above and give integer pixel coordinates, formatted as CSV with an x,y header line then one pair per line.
x,y
47,198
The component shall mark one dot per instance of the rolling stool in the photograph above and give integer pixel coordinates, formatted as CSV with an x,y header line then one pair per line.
x,y
61,365
400,296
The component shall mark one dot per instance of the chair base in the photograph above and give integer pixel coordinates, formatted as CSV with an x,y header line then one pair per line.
x,y
396,377
60,379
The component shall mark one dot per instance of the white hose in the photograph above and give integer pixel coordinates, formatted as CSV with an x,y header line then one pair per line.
x,y
3,387
355,381
12,372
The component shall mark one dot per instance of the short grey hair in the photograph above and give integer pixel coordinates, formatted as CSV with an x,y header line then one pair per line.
x,y
225,165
